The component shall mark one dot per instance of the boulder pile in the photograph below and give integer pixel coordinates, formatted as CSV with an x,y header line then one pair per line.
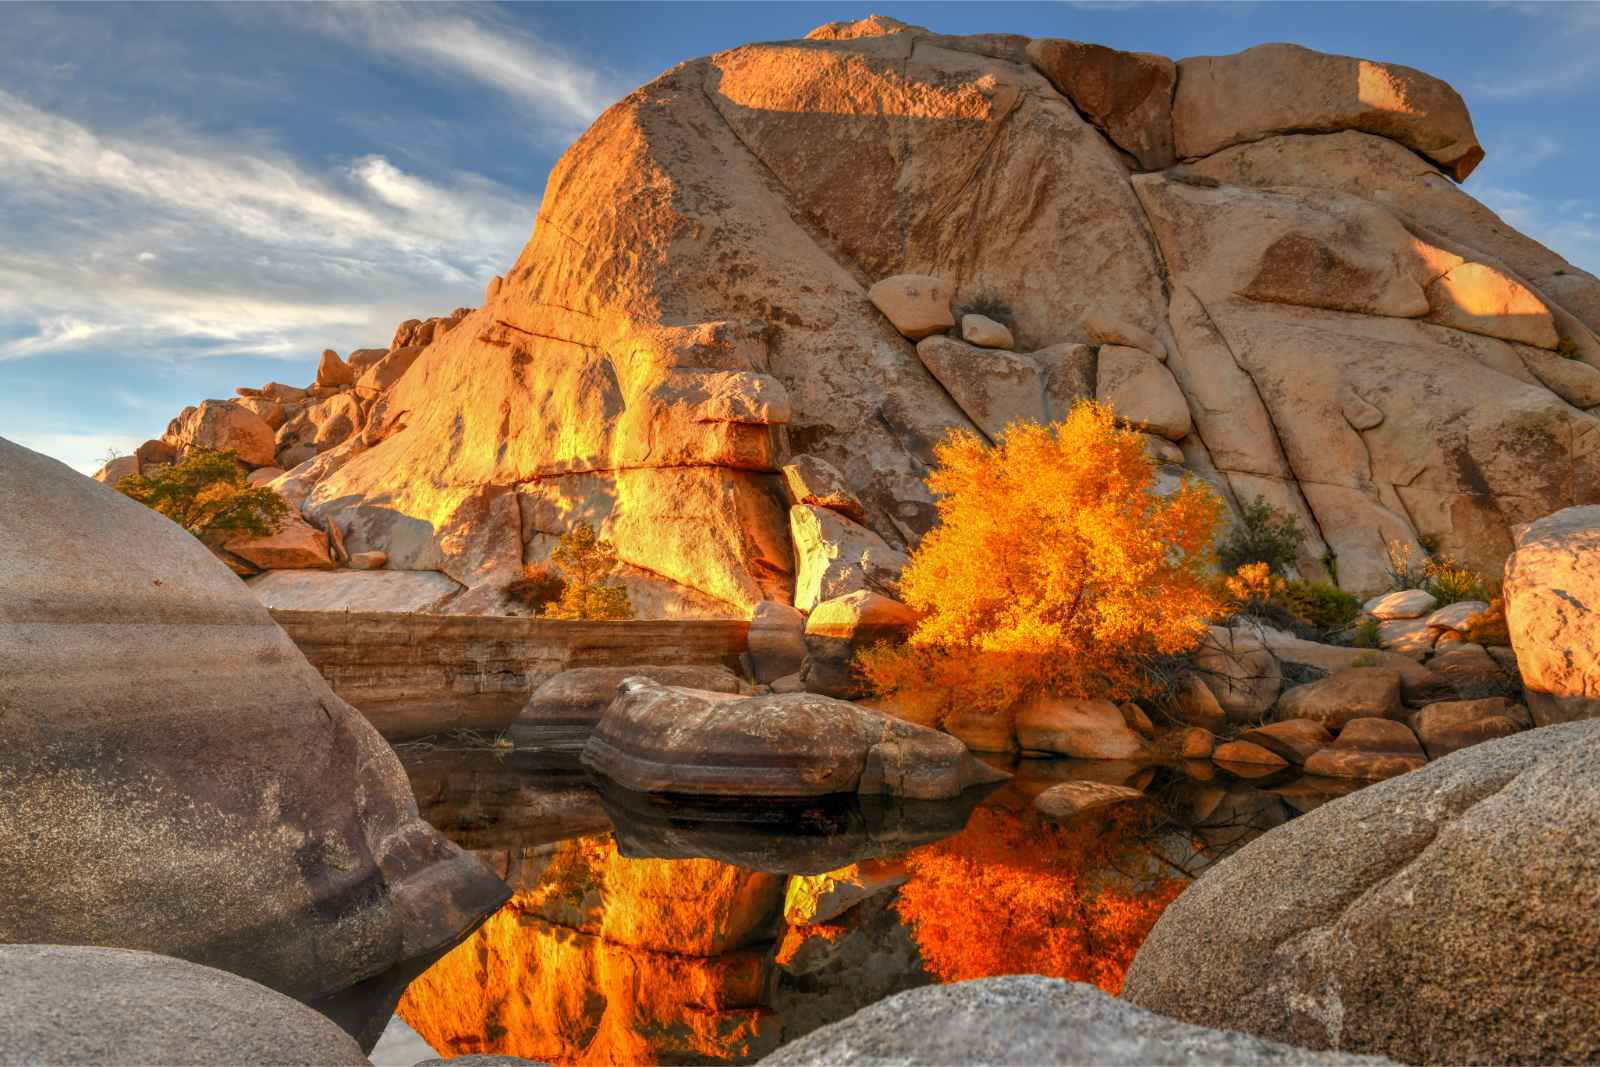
x,y
1263,259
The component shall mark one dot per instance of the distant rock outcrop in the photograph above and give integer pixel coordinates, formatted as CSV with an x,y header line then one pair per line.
x,y
1264,257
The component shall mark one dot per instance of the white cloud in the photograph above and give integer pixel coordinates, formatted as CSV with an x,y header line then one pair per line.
x,y
83,452
1572,33
1570,227
469,43
169,242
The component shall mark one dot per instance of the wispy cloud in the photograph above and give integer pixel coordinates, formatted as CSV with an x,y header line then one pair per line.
x,y
160,240
1570,227
470,43
1568,64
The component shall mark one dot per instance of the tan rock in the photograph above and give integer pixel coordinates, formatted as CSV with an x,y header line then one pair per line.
x,y
777,640
984,332
1243,676
813,480
263,475
1342,697
834,556
1072,800
333,371
1552,585
1137,719
225,426
1083,729
347,590
383,374
1293,739
1418,684
1453,725
284,394
1370,749
1455,616
1576,382
297,545
1402,604
1194,703
995,388
1409,637
362,358
981,731
1226,100
1139,389
1105,330
368,561
1249,753
916,304
117,469
1480,299
1472,672
562,712
1128,95
271,411
861,616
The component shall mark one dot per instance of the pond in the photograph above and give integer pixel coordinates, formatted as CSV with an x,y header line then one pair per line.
x,y
647,929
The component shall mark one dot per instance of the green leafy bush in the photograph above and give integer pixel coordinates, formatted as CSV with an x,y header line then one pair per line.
x,y
1263,534
587,563
1325,606
1366,635
206,493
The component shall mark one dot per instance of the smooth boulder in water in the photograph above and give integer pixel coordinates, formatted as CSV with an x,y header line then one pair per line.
x,y
175,777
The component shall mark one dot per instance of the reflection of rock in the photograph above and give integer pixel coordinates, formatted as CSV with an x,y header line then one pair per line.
x,y
654,738
483,799
109,1005
808,836
225,806
1469,884
1028,1019
563,710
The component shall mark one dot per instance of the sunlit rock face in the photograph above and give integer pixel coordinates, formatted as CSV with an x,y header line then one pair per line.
x,y
1357,340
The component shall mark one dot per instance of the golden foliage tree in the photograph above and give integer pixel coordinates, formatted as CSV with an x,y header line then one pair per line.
x,y
1056,568
1011,894
586,564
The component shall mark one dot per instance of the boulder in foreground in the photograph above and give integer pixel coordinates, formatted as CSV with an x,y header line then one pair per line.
x,y
658,739
80,1005
1552,596
1444,916
205,792
1028,1019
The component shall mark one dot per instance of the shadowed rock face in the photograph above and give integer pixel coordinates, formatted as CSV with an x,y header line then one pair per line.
x,y
176,777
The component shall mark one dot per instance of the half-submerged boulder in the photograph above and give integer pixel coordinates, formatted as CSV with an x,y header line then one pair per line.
x,y
1444,916
658,739
1028,1019
560,714
80,1005
175,777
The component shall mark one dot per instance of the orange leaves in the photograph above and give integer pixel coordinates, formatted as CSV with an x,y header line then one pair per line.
x,y
1056,567
1012,895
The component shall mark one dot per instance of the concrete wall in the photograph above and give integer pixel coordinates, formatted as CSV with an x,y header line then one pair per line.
x,y
422,674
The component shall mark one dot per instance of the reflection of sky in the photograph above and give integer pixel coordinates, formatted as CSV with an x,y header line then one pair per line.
x,y
197,197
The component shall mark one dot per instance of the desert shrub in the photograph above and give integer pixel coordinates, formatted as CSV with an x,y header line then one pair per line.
x,y
1263,534
989,306
586,564
206,493
1450,581
1366,635
1055,568
1488,627
1319,604
537,589
1367,659
1567,347
1405,564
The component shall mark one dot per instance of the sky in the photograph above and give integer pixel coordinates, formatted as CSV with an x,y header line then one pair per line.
x,y
194,197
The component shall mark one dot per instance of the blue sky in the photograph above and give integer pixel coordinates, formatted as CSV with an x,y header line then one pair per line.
x,y
195,197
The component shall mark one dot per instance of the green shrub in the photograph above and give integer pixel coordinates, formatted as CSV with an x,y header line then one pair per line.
x,y
1325,606
1263,534
1367,659
586,564
207,495
1451,582
1366,635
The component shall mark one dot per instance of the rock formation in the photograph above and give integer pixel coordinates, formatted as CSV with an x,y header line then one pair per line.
x,y
1263,257
177,778
1552,597
1433,918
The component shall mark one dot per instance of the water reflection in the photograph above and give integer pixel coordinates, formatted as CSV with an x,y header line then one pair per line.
x,y
685,930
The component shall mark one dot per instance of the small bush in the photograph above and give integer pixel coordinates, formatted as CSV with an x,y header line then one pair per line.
x,y
1325,606
587,563
1567,347
1405,568
207,495
1263,534
1366,635
1488,627
1451,582
537,589
1367,659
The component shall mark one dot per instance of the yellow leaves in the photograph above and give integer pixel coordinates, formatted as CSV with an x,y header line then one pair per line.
x,y
1056,567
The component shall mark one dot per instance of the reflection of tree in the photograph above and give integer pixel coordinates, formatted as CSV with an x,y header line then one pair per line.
x,y
1012,894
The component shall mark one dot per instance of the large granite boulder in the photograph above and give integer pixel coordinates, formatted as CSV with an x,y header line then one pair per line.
x,y
1443,916
658,739
1028,1019
1349,333
1552,596
177,777
70,1005
561,713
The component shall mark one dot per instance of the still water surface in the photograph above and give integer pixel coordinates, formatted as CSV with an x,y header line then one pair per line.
x,y
680,930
